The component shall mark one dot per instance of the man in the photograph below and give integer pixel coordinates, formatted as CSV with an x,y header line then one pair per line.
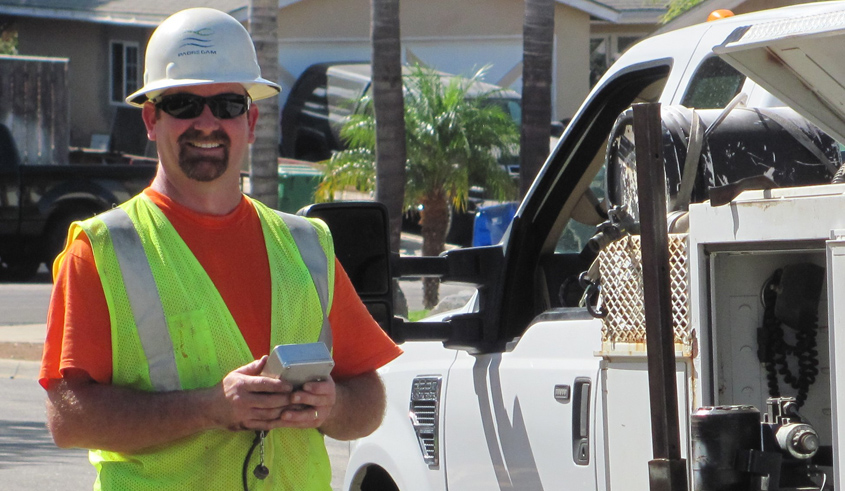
x,y
165,308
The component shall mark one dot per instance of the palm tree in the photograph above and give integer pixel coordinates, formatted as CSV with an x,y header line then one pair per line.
x,y
388,110
264,158
537,47
453,137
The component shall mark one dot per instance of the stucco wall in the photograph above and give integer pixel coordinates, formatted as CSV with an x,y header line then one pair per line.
x,y
87,47
572,61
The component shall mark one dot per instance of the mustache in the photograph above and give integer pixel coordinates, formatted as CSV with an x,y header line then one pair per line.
x,y
200,167
194,135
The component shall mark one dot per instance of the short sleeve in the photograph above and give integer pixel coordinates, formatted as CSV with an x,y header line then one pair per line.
x,y
78,326
360,344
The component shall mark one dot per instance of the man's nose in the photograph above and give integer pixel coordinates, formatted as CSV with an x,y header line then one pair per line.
x,y
206,120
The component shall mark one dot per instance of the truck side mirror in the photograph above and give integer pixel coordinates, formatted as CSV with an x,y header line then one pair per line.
x,y
361,236
360,231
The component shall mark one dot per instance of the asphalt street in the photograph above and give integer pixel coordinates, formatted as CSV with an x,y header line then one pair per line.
x,y
28,457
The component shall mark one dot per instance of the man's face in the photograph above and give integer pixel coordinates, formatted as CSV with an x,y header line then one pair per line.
x,y
206,147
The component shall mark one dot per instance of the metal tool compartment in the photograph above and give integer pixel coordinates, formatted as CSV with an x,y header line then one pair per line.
x,y
735,252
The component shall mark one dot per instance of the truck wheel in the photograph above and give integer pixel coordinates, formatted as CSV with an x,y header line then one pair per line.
x,y
56,232
18,268
377,479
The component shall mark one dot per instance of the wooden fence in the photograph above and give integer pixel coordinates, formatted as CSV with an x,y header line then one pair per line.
x,y
34,104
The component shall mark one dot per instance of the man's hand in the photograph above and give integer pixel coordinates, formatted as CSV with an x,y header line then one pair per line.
x,y
250,401
312,405
84,413
357,406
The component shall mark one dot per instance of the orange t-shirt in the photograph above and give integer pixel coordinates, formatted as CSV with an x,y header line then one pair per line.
x,y
232,251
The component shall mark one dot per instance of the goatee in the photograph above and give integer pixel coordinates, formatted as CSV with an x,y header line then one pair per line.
x,y
196,164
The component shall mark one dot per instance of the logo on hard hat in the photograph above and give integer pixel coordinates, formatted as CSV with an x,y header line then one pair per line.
x,y
200,38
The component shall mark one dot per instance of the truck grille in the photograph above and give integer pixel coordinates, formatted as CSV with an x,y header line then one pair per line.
x,y
424,413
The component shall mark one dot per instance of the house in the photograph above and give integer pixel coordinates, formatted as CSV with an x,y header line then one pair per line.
x,y
462,36
104,42
631,21
700,12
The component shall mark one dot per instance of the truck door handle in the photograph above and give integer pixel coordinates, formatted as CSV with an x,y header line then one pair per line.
x,y
581,421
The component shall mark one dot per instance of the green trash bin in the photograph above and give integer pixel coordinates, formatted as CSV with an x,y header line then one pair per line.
x,y
297,183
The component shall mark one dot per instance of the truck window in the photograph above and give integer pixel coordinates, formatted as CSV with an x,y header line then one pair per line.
x,y
304,123
576,233
713,86
556,220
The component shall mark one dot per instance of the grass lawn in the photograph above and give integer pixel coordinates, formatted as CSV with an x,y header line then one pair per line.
x,y
416,315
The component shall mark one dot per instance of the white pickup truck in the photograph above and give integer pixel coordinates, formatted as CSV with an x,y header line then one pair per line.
x,y
542,382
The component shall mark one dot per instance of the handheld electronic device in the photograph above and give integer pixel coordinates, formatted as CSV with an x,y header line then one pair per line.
x,y
299,363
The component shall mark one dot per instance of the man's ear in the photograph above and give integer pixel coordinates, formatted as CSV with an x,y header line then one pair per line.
x,y
252,118
148,114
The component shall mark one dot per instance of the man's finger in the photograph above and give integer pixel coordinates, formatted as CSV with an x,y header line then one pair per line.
x,y
254,367
268,384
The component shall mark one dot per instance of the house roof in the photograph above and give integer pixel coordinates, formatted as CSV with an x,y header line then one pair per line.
x,y
150,13
615,11
635,11
146,13
698,14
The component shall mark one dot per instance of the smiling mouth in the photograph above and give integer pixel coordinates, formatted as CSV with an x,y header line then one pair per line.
x,y
203,145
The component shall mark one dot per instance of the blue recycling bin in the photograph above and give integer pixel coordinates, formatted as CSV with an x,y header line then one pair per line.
x,y
491,222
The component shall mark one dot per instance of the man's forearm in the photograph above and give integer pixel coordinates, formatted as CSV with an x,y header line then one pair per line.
x,y
84,413
358,409
90,415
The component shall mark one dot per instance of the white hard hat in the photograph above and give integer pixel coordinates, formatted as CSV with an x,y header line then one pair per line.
x,y
201,46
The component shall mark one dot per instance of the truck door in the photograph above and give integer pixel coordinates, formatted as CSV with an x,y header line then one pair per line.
x,y
836,321
523,419
529,416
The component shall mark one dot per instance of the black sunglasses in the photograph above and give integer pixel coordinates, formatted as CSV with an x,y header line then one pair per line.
x,y
189,106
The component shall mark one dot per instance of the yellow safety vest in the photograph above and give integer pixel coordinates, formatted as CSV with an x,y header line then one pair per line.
x,y
171,330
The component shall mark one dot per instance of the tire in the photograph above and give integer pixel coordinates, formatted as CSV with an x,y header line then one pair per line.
x,y
377,479
55,233
17,269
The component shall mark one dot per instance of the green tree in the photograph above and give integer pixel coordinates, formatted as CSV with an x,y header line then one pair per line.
x,y
678,7
8,37
453,137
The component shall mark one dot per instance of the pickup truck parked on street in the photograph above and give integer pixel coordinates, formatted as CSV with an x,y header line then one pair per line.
x,y
544,380
38,202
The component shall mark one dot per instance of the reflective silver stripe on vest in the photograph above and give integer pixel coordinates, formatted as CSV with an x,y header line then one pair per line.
x,y
308,243
143,299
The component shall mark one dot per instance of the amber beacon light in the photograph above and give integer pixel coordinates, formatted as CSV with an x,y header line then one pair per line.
x,y
719,14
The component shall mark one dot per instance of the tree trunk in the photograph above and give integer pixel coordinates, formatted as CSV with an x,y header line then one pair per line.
x,y
538,38
434,221
389,109
264,155
388,105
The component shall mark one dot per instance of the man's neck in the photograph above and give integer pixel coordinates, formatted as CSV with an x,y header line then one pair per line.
x,y
211,198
